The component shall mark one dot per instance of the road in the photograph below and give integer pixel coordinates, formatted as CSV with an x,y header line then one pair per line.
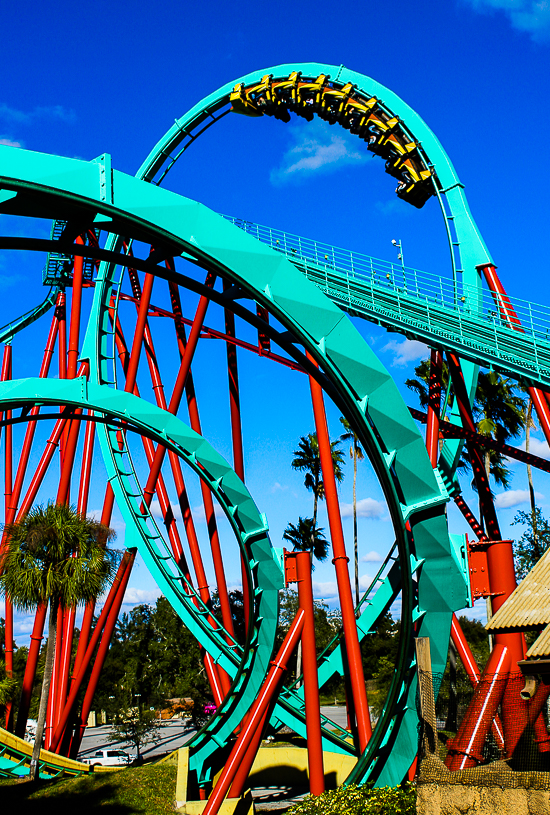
x,y
173,733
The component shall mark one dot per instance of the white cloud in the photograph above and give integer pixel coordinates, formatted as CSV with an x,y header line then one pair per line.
x,y
10,114
325,591
530,16
9,143
366,508
365,581
393,206
316,150
134,596
156,511
537,447
405,351
513,498
23,626
199,513
372,557
279,487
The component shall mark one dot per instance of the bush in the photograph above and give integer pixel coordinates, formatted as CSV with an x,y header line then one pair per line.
x,y
363,800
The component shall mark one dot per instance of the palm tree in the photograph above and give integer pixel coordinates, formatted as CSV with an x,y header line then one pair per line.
x,y
307,458
8,687
357,454
56,556
305,537
498,411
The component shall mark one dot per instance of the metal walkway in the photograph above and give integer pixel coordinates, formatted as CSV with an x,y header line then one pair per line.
x,y
423,306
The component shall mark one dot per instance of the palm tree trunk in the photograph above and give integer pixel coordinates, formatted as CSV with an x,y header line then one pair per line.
x,y
315,502
355,550
46,682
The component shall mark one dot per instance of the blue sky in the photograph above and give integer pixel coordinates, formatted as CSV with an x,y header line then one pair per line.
x,y
82,80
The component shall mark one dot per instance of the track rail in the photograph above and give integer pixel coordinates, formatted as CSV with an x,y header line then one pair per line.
x,y
436,310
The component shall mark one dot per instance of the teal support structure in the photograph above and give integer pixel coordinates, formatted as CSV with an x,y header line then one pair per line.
x,y
309,298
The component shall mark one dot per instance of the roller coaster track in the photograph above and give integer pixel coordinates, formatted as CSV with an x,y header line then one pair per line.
x,y
305,287
423,306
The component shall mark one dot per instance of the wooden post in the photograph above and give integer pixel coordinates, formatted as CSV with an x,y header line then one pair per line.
x,y
426,689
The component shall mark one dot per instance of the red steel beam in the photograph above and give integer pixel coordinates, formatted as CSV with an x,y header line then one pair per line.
x,y
87,620
211,333
8,484
119,583
180,382
236,430
101,655
210,515
341,560
508,315
434,406
470,666
257,713
31,426
465,750
311,680
453,431
76,302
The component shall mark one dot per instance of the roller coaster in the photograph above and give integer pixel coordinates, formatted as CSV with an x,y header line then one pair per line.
x,y
113,238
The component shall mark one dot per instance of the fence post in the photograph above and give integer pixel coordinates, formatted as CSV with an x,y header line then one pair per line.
x,y
427,700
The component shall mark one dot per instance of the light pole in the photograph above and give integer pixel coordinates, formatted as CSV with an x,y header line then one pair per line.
x,y
399,248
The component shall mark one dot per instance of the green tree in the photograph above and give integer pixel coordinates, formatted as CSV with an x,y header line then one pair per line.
x,y
153,658
356,453
304,537
327,626
56,556
307,459
498,412
136,727
8,688
534,542
236,606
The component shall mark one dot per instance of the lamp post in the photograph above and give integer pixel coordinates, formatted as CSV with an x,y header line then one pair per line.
x,y
399,248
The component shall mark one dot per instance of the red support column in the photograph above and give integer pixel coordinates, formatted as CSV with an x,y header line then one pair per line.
x,y
340,560
101,655
471,668
236,429
86,467
76,301
434,406
507,314
465,750
137,342
311,680
11,509
8,483
180,382
87,620
194,420
62,362
235,763
119,585
500,556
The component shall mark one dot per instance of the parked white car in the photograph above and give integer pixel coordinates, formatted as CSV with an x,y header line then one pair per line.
x,y
108,758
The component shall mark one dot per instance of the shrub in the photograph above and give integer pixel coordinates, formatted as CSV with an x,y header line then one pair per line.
x,y
363,800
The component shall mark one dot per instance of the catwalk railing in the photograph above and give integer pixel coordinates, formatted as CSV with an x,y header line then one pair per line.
x,y
433,309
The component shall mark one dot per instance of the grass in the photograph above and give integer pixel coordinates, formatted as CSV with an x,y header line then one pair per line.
x,y
143,790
